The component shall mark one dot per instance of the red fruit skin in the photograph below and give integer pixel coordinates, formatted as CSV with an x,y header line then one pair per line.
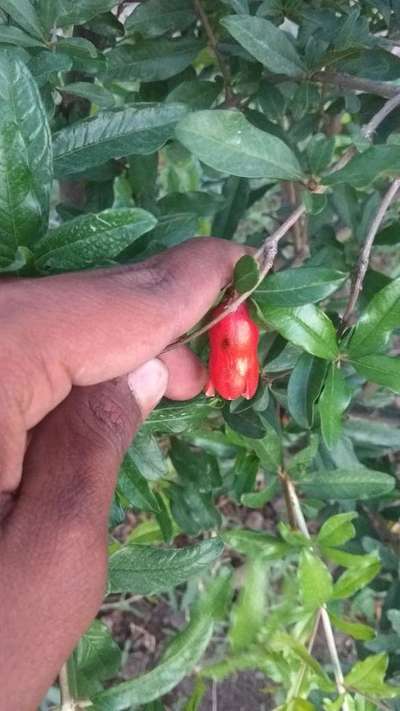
x,y
233,363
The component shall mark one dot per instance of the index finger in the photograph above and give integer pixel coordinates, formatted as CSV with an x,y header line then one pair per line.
x,y
86,328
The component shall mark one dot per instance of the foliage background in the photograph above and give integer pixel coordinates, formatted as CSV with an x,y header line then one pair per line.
x,y
267,530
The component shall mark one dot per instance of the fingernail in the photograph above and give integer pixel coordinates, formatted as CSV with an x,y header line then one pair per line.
x,y
148,384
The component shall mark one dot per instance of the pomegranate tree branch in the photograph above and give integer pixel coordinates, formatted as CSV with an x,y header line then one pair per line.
x,y
297,515
364,256
212,41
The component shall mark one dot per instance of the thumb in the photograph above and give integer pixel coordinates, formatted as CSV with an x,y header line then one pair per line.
x,y
53,543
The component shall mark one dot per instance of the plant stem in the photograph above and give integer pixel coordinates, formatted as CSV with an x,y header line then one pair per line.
x,y
364,256
301,524
230,99
67,702
369,129
348,81
300,677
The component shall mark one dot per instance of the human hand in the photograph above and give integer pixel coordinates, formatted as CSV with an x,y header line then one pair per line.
x,y
67,345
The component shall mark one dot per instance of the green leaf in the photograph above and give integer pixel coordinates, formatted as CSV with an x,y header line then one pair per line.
x,y
372,434
193,510
152,60
320,153
380,317
295,287
133,487
180,658
314,580
353,629
13,35
43,65
174,228
255,543
247,423
304,387
93,92
196,202
375,162
147,456
71,12
236,195
24,14
337,530
197,94
258,499
341,484
246,274
25,158
367,677
89,239
156,17
303,459
248,613
226,141
380,369
96,658
175,417
195,466
305,326
140,128
332,403
356,578
267,43
146,570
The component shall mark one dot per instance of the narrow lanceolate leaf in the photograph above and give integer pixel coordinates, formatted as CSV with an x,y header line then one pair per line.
x,y
304,387
315,582
24,14
152,60
146,570
337,530
305,326
13,35
296,287
342,484
226,141
334,400
180,657
248,612
267,43
140,129
25,159
71,12
356,578
368,677
357,630
366,167
381,316
380,369
156,17
89,239
246,274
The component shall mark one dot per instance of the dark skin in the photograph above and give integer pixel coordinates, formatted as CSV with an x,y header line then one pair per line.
x,y
68,411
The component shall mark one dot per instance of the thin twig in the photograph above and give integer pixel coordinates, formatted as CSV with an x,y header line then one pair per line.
x,y
364,256
368,130
303,669
301,524
67,702
387,108
348,81
230,99
267,252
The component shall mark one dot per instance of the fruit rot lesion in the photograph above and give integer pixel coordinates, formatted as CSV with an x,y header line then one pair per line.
x,y
233,363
